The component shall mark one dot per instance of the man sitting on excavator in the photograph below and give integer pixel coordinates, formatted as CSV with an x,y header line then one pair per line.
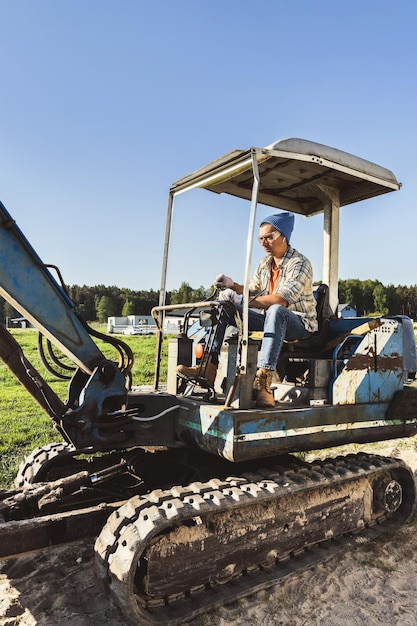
x,y
282,290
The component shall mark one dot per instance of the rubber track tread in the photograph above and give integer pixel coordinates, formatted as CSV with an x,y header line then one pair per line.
x,y
31,465
130,529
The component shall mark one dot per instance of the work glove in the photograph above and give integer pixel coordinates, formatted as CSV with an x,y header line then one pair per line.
x,y
223,281
228,295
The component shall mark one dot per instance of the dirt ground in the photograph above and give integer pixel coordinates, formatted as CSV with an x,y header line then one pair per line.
x,y
373,585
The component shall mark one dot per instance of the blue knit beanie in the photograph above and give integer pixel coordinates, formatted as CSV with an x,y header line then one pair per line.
x,y
284,222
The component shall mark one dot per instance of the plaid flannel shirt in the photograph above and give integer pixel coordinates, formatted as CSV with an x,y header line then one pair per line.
x,y
295,284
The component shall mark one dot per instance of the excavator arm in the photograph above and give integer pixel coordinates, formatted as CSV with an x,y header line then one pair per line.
x,y
99,386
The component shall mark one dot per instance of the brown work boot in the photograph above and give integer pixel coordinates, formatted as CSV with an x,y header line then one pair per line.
x,y
206,369
265,397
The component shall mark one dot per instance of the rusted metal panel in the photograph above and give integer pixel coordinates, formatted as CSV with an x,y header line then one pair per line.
x,y
374,372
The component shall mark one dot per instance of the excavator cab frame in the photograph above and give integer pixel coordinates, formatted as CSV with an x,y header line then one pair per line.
x,y
351,371
294,175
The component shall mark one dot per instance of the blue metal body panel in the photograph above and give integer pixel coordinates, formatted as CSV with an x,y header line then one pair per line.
x,y
373,370
363,400
242,435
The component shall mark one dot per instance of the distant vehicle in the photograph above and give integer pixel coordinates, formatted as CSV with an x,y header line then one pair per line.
x,y
140,330
134,330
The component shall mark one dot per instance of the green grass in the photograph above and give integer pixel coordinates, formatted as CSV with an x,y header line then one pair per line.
x,y
23,423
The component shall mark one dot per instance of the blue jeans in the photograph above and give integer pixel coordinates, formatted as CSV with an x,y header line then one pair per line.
x,y
277,323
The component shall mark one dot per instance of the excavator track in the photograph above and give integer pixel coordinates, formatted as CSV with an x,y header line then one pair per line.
x,y
167,557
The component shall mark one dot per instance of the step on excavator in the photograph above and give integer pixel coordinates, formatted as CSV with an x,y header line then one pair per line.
x,y
196,497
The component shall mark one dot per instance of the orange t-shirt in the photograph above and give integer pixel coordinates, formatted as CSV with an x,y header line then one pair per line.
x,y
273,279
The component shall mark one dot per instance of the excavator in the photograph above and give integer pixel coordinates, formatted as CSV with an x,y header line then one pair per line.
x,y
194,496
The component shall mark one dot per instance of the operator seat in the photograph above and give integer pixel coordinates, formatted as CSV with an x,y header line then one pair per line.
x,y
294,353
317,340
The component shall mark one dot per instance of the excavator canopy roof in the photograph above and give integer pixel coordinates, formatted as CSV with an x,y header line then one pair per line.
x,y
291,173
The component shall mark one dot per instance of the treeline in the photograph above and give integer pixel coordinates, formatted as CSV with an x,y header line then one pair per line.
x,y
368,297
371,297
100,302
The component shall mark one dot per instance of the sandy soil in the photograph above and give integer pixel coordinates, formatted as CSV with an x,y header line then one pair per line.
x,y
373,585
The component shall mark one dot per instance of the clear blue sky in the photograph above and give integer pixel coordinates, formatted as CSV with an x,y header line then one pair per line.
x,y
105,103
